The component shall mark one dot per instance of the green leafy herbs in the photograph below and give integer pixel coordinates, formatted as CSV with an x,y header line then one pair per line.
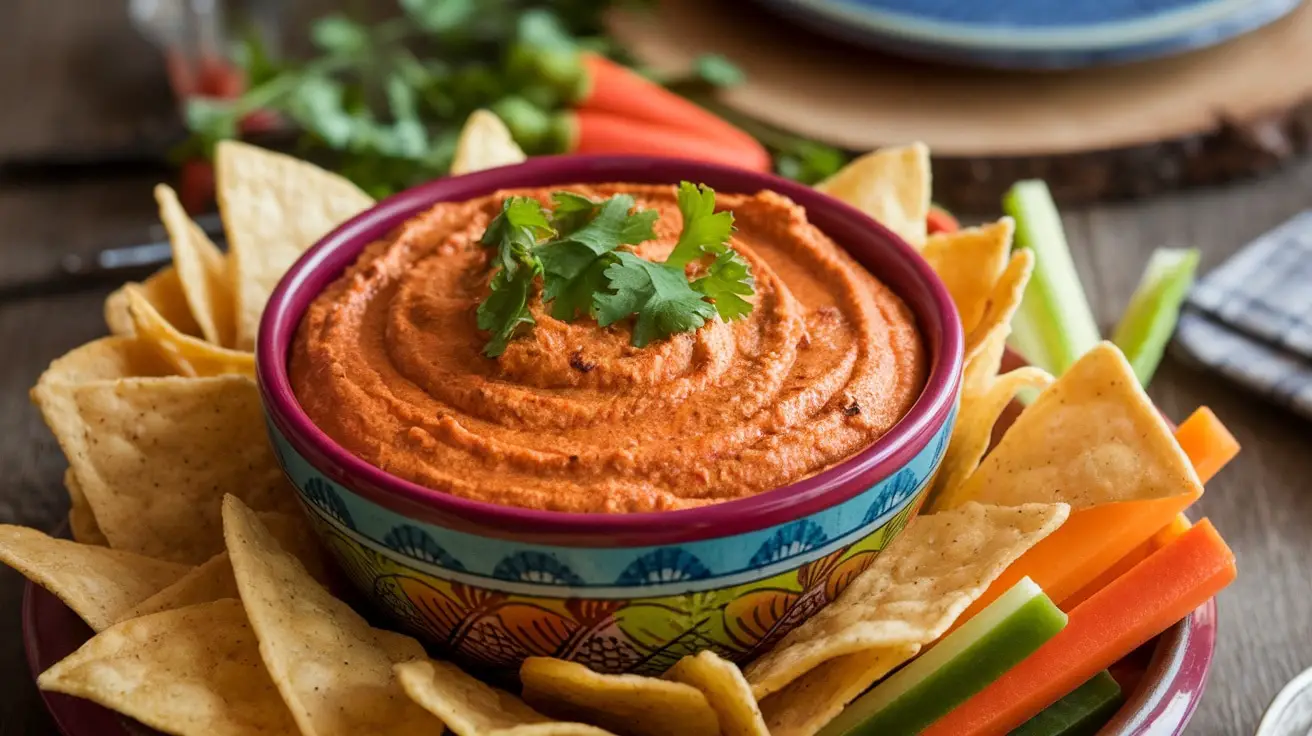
x,y
383,103
514,233
581,251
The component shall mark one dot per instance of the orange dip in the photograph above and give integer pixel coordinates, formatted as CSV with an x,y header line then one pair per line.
x,y
571,417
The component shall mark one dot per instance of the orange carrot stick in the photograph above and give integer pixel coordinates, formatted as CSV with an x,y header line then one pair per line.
x,y
615,89
1090,541
1136,607
600,132
1207,442
1164,536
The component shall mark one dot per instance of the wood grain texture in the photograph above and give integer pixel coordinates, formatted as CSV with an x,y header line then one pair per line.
x,y
1262,503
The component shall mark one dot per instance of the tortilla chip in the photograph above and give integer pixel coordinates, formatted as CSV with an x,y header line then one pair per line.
x,y
154,457
213,580
1003,301
106,359
816,698
1093,437
485,143
334,671
206,583
191,356
81,519
164,291
970,262
629,704
470,708
974,430
892,185
195,671
913,592
726,691
274,207
98,583
982,367
201,269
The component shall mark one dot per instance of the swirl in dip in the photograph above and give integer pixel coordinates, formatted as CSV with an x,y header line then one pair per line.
x,y
388,362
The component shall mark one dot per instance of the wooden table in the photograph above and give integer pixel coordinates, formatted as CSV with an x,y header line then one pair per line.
x,y
54,95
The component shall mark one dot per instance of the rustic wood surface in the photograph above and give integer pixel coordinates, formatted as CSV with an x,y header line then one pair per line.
x,y
1262,503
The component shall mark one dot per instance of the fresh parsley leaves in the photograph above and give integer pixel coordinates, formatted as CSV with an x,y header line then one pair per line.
x,y
578,250
514,233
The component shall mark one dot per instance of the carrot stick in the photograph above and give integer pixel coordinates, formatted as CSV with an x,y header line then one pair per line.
x,y
1207,442
1090,541
600,132
617,90
1148,599
1164,536
941,221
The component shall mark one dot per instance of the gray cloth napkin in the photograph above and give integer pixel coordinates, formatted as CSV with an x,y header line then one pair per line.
x,y
1251,319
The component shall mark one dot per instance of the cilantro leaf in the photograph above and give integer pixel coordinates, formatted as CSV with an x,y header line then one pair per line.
x,y
514,233
703,227
726,282
574,263
659,295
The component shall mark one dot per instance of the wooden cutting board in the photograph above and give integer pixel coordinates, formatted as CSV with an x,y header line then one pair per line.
x,y
1231,111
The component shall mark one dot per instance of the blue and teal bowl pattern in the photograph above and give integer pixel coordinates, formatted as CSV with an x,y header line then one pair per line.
x,y
491,585
492,602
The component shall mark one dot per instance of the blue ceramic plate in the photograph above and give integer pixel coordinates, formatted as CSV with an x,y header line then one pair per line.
x,y
1035,34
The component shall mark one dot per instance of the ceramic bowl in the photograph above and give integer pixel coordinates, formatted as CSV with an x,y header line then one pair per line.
x,y
491,585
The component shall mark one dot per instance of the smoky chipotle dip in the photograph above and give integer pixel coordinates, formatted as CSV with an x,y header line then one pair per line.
x,y
388,362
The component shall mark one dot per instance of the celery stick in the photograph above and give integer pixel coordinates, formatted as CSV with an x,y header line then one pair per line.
x,y
1054,325
1150,318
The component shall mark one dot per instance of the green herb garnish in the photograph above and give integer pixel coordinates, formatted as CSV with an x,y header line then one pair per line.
x,y
580,250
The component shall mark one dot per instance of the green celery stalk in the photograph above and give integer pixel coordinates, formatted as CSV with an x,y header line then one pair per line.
x,y
1149,320
1053,326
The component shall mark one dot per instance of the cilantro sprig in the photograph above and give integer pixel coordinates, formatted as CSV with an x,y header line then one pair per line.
x,y
582,252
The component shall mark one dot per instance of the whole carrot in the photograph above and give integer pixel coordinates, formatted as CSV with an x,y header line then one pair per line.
x,y
592,131
615,89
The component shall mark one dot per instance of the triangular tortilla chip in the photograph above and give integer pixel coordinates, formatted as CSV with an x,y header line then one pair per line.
x,y
81,519
892,185
274,207
201,269
189,355
98,583
982,367
154,457
1091,438
630,704
969,262
164,290
816,698
334,671
192,672
913,592
470,708
485,143
726,691
106,359
213,580
1003,301
974,430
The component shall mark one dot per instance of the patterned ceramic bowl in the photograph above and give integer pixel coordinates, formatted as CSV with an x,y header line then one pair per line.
x,y
492,584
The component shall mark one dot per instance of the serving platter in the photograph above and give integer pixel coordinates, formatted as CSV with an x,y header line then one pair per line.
x,y
1170,682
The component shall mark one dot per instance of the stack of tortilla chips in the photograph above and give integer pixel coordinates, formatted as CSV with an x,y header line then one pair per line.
x,y
205,588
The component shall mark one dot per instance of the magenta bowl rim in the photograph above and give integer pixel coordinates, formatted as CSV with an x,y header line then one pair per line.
x,y
890,257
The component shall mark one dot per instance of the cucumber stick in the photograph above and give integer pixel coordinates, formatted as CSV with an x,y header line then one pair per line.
x,y
1149,320
961,664
1054,325
1082,713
